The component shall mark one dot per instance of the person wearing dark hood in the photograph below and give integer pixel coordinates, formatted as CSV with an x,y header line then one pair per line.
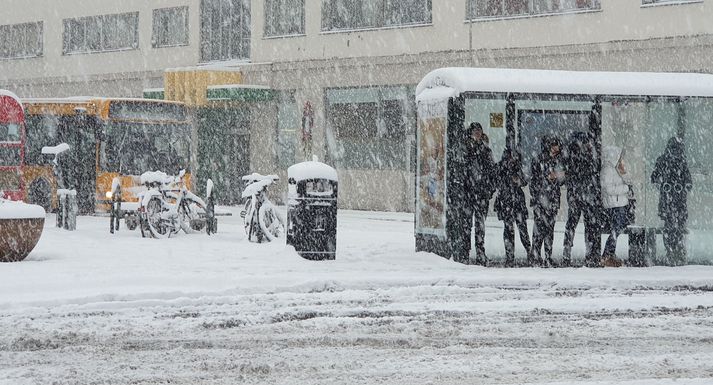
x,y
479,159
546,179
582,181
616,187
510,204
673,178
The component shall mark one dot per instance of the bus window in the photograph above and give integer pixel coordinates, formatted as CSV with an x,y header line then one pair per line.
x,y
133,148
9,132
41,131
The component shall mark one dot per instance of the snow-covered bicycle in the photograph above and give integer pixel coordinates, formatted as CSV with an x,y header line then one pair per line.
x,y
167,206
262,220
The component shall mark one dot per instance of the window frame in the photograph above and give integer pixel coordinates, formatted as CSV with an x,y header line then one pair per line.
x,y
85,20
662,3
280,34
471,17
338,146
39,52
208,44
326,25
156,15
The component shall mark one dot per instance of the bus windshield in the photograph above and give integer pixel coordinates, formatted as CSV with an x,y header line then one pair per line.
x,y
134,148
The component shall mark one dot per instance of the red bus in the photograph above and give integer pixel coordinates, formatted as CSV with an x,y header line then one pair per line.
x,y
12,152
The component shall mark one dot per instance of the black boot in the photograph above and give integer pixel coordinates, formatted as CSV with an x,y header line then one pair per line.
x,y
510,261
567,257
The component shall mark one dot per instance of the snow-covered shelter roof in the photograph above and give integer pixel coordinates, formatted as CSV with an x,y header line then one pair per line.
x,y
450,82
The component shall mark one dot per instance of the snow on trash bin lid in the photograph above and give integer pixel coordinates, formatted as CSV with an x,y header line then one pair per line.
x,y
311,170
20,210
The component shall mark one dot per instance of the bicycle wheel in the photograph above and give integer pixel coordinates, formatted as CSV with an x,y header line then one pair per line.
x,y
158,226
191,215
271,223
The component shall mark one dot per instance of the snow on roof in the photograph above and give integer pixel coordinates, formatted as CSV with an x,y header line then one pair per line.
x,y
449,82
12,95
311,170
86,99
155,177
54,150
20,210
238,86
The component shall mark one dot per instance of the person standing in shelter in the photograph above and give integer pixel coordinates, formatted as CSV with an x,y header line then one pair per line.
x,y
510,203
583,198
546,180
616,189
479,184
673,178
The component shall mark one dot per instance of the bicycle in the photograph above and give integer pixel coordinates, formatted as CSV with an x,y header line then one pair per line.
x,y
167,206
262,221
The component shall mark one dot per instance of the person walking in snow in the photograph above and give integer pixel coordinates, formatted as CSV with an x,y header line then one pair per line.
x,y
673,178
479,184
616,189
510,203
582,182
547,172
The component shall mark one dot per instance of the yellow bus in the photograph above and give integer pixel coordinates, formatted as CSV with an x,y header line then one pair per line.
x,y
108,138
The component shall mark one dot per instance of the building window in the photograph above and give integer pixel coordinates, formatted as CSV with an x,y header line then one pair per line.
x,y
360,14
480,9
101,33
225,30
288,125
21,40
370,128
284,17
647,2
170,27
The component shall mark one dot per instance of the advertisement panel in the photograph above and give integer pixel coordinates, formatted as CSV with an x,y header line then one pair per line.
x,y
431,167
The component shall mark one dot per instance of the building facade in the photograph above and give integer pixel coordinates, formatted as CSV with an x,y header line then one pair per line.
x,y
343,73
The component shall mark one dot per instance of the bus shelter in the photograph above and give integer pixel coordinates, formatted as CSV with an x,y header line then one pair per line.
x,y
638,112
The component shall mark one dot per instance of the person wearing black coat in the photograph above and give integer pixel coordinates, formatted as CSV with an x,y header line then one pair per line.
x,y
546,178
583,200
510,204
673,178
479,184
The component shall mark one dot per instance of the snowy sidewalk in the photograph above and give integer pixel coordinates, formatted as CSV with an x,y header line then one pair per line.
x,y
91,307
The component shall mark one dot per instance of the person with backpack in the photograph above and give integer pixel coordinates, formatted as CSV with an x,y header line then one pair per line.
x,y
479,184
547,177
582,182
673,178
510,204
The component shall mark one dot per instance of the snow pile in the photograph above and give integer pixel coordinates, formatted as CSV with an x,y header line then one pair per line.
x,y
311,170
209,188
155,177
254,177
255,187
66,192
20,210
55,150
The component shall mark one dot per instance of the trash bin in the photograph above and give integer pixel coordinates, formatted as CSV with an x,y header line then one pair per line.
x,y
312,210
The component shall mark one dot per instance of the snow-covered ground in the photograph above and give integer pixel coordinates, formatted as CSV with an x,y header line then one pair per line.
x,y
91,307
